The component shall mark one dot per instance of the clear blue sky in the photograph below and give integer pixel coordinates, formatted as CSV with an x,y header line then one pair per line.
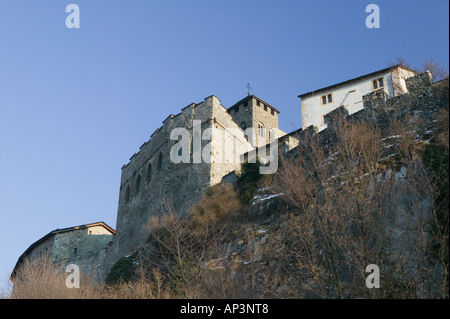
x,y
75,104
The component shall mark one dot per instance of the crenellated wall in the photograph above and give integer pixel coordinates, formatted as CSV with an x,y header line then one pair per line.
x,y
153,183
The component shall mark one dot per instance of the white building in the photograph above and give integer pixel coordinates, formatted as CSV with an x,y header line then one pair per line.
x,y
316,104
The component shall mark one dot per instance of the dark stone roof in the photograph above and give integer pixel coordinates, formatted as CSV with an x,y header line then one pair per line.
x,y
248,97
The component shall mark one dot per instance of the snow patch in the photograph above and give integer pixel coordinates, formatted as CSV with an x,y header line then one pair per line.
x,y
261,198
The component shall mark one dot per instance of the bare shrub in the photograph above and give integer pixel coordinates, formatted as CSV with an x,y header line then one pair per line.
x,y
218,208
184,246
437,71
350,214
143,287
442,123
41,279
405,140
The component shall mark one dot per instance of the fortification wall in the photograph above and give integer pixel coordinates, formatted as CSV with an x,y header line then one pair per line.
x,y
83,247
152,183
228,143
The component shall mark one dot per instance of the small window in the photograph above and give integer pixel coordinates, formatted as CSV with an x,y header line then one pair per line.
x,y
160,162
271,136
378,83
272,112
196,143
75,251
261,131
327,99
138,184
127,194
265,107
258,103
149,172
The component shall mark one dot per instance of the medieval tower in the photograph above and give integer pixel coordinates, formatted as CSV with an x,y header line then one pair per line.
x,y
163,176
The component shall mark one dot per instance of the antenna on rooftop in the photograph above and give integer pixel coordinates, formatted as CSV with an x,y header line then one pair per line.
x,y
248,88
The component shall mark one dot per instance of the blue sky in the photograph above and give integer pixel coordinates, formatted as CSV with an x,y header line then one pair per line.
x,y
76,104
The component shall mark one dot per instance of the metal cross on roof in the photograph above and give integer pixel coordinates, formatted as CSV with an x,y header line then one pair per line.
x,y
249,88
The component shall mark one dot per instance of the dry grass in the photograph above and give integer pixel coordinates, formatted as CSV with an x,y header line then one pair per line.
x,y
41,279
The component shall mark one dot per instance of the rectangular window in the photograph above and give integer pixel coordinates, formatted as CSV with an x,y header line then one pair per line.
x,y
327,99
261,130
258,103
272,111
265,107
375,84
378,83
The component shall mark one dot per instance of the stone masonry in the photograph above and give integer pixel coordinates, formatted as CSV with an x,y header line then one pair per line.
x,y
153,184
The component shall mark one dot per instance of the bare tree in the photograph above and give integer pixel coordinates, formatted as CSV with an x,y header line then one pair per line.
x,y
437,71
350,213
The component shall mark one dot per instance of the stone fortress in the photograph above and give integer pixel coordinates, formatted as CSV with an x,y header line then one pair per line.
x,y
155,180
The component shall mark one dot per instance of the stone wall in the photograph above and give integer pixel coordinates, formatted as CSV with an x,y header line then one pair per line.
x,y
84,246
228,142
251,112
268,117
153,184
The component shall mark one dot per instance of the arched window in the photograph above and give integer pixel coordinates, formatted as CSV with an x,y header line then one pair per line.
x,y
261,130
138,184
149,172
127,194
160,162
271,135
196,141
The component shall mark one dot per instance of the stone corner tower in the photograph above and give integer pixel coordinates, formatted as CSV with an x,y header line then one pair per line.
x,y
257,118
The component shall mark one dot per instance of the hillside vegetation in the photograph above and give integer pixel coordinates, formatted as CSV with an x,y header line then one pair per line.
x,y
308,231
368,196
